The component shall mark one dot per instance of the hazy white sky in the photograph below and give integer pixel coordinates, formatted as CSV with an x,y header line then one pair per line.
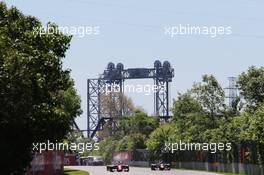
x,y
132,32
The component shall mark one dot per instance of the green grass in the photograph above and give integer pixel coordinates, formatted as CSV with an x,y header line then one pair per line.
x,y
68,171
233,174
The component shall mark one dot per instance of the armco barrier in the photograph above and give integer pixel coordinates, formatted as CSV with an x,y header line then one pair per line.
x,y
48,162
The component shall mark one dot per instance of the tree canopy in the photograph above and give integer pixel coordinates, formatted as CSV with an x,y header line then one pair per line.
x,y
201,116
37,97
251,85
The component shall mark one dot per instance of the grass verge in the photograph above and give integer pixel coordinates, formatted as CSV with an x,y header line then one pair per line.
x,y
68,171
232,174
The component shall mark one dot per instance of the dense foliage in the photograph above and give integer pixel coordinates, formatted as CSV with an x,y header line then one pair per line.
x,y
201,116
37,98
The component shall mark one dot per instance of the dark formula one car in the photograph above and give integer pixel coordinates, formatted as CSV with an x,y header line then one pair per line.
x,y
160,166
119,167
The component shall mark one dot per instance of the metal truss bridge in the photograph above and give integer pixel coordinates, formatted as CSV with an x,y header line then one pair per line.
x,y
162,75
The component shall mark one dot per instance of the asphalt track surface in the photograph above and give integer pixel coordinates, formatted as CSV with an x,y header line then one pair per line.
x,y
101,170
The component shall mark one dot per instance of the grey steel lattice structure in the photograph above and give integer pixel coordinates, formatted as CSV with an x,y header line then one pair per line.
x,y
162,75
232,90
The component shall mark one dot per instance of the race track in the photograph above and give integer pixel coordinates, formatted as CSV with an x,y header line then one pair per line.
x,y
101,170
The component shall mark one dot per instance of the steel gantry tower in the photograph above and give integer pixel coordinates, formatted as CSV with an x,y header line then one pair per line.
x,y
232,90
113,79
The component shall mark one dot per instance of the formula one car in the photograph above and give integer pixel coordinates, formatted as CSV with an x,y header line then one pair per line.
x,y
119,167
160,166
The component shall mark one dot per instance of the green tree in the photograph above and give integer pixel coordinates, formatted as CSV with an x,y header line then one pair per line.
x,y
248,127
107,148
37,99
251,85
158,138
252,125
136,141
185,104
211,96
139,123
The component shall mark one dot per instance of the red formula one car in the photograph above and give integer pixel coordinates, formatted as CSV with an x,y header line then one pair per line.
x,y
119,167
